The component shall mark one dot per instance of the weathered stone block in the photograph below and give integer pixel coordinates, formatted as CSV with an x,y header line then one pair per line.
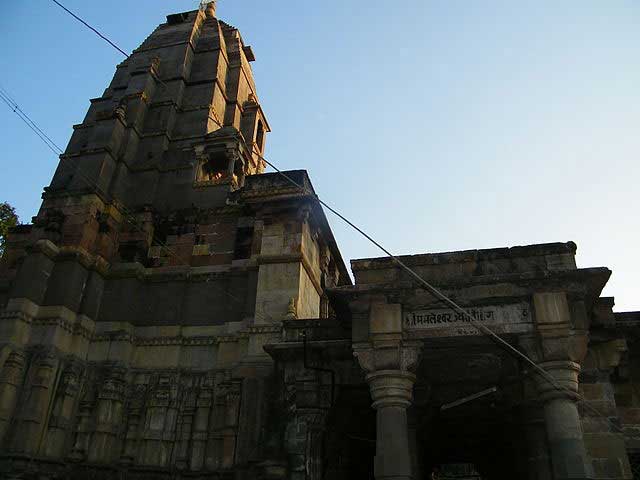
x,y
385,318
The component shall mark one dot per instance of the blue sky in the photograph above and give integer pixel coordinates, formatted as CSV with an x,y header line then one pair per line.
x,y
435,125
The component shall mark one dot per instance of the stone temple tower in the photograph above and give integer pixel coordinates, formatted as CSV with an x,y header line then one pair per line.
x,y
134,309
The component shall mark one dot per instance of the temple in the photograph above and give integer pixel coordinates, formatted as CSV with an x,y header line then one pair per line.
x,y
173,311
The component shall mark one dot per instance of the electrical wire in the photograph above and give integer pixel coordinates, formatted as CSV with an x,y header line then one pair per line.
x,y
51,147
94,30
16,108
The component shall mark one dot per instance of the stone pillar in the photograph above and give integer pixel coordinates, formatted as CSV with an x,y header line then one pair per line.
x,y
230,432
105,440
391,391
603,437
184,429
11,379
388,358
85,424
30,428
132,432
303,443
200,427
557,346
569,458
64,405
308,407
316,422
159,433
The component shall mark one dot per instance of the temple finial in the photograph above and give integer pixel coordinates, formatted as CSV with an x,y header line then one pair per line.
x,y
209,7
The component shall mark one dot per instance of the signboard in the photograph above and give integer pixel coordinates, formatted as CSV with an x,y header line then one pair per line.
x,y
511,318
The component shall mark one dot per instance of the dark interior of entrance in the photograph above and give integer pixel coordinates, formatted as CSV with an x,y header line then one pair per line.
x,y
465,421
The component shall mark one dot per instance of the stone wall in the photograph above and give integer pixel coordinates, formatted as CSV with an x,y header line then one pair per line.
x,y
112,417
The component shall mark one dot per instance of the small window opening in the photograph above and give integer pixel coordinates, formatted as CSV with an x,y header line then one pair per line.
x,y
216,168
244,242
260,136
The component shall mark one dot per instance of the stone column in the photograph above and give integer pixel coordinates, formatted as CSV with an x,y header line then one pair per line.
x,y
132,431
63,410
388,358
391,391
11,378
603,437
85,422
569,458
33,417
232,410
558,345
200,427
184,429
105,440
308,408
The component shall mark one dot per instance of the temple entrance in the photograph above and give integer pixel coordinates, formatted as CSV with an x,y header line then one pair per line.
x,y
465,422
350,439
466,412
475,442
479,439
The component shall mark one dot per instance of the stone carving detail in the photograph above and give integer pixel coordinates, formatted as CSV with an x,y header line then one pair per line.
x,y
120,112
396,355
11,377
410,356
12,371
605,355
366,358
292,310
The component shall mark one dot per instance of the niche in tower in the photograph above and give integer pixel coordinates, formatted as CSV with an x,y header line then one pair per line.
x,y
215,167
221,166
260,136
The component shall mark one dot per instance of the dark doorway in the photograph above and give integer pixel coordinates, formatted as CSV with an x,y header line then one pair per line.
x,y
350,443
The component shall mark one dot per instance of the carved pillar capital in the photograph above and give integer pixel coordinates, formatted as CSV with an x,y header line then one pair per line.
x,y
391,388
561,380
392,355
388,362
569,457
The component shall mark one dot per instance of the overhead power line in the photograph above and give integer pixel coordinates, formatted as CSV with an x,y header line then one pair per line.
x,y
94,30
32,125
16,108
